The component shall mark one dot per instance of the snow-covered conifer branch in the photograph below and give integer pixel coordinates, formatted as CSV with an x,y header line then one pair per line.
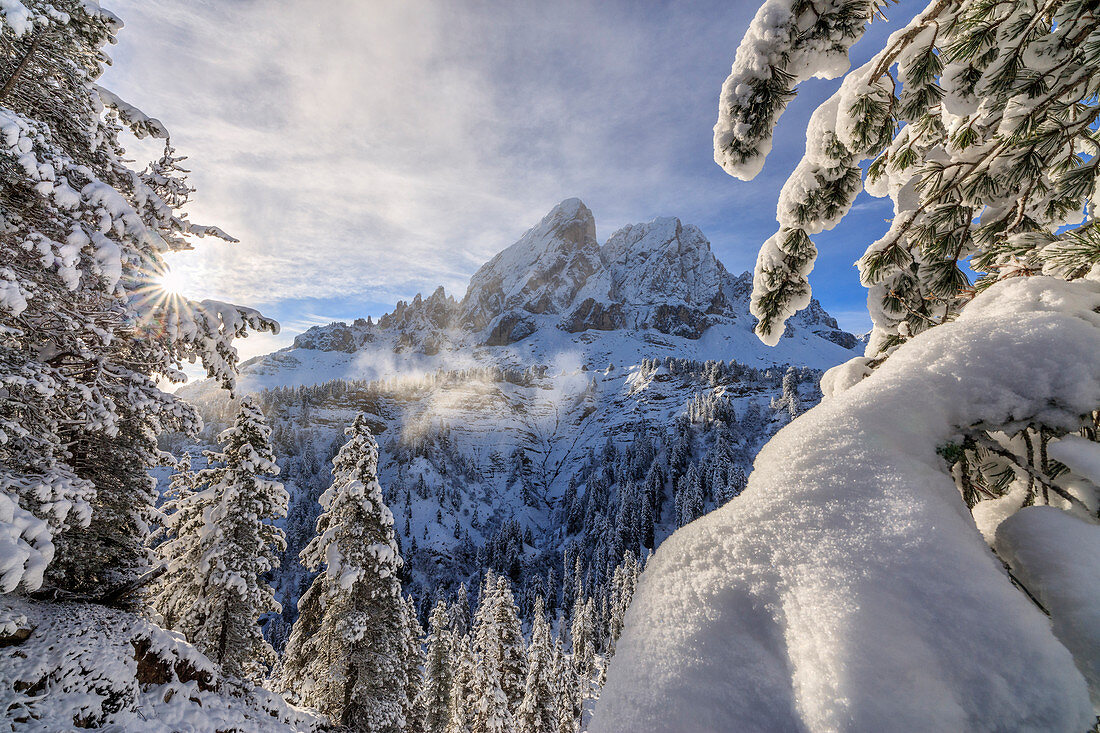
x,y
979,122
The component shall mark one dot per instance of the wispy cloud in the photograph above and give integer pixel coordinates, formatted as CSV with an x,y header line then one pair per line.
x,y
355,146
366,150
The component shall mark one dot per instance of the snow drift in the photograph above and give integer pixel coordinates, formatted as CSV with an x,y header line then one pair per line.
x,y
848,588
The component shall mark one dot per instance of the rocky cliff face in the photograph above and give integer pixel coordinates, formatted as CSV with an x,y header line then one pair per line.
x,y
540,274
660,276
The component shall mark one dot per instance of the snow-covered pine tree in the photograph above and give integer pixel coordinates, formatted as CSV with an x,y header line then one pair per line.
x,y
459,612
736,480
680,440
655,489
623,581
979,122
85,330
178,545
790,397
647,526
414,675
238,544
460,714
583,635
499,643
568,588
567,691
86,333
552,586
111,552
346,655
983,111
435,694
513,648
579,586
489,711
538,711
689,496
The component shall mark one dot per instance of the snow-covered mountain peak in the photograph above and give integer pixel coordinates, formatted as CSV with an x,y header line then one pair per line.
x,y
652,289
663,262
541,273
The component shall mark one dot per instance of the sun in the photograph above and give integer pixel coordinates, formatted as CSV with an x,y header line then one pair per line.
x,y
172,282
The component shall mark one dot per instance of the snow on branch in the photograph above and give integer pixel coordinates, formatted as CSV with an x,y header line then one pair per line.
x,y
980,122
16,16
787,42
141,124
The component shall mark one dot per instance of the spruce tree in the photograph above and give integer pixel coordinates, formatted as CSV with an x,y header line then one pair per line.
x,y
489,710
500,677
977,120
789,396
623,582
655,489
513,648
86,330
489,713
111,552
537,712
460,715
459,612
957,109
178,547
567,691
737,480
689,496
239,546
414,663
439,670
346,654
568,589
648,526
583,634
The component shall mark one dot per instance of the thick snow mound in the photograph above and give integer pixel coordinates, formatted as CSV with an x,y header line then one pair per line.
x,y
1057,557
848,588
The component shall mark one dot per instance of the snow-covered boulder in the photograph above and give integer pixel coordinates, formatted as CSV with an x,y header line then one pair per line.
x,y
69,666
848,588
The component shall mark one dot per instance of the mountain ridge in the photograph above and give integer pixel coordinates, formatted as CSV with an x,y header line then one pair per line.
x,y
659,274
652,289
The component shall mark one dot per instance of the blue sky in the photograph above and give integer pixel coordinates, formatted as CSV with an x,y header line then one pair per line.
x,y
366,151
